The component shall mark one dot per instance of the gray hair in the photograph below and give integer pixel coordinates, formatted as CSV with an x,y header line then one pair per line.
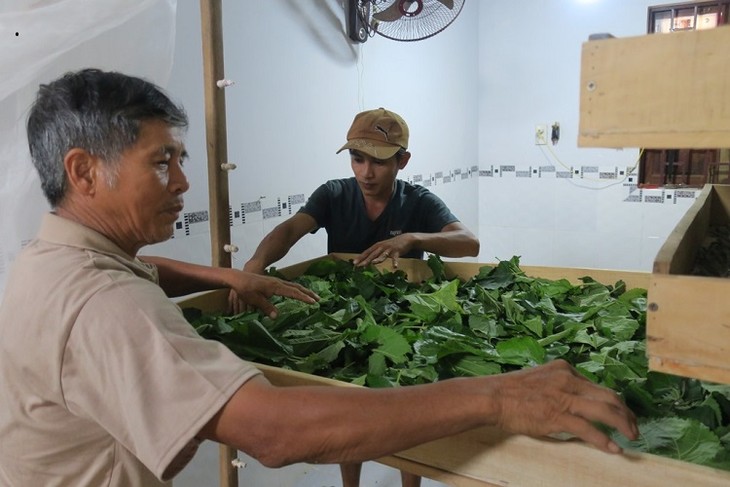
x,y
94,110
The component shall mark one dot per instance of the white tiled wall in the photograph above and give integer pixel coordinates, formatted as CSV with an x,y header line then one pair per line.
x,y
575,221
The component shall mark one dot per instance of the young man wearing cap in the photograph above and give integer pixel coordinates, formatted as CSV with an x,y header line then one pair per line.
x,y
372,214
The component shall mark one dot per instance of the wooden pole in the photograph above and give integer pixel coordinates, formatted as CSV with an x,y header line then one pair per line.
x,y
217,151
215,127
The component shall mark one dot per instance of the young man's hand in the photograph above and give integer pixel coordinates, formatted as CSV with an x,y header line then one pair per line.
x,y
392,249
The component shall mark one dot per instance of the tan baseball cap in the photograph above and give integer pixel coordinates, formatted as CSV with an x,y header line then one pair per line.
x,y
378,133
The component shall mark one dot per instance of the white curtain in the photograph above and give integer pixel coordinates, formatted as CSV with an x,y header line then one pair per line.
x,y
40,41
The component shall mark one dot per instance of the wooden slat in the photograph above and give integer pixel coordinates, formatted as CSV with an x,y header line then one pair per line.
x,y
227,472
207,302
688,326
215,128
430,472
656,91
217,151
497,458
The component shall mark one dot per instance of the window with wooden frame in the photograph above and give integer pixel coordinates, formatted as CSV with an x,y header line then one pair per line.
x,y
685,167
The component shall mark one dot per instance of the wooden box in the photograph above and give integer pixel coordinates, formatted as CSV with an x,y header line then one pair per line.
x,y
688,319
656,91
490,457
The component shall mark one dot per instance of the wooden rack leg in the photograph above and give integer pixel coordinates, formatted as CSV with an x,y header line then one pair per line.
x,y
215,124
228,473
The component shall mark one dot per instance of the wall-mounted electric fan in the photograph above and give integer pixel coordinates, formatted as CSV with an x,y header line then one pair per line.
x,y
399,20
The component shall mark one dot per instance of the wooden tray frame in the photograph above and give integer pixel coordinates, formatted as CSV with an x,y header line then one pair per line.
x,y
490,457
688,319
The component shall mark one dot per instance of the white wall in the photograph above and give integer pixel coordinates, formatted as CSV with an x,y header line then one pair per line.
x,y
529,73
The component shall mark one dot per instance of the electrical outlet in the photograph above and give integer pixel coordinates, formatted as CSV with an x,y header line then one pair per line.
x,y
541,134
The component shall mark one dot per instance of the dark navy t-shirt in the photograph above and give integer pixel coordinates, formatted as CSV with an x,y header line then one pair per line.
x,y
338,207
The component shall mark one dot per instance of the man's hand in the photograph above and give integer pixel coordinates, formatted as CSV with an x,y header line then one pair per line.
x,y
236,305
555,398
392,248
250,290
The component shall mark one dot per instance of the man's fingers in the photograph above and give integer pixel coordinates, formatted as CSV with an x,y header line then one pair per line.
x,y
377,255
234,306
307,291
602,404
365,258
610,412
296,291
255,290
591,403
264,305
583,429
381,256
554,398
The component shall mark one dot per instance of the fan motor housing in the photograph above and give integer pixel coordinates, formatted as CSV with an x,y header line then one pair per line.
x,y
354,19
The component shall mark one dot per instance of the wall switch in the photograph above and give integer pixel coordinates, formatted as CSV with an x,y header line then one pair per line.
x,y
541,134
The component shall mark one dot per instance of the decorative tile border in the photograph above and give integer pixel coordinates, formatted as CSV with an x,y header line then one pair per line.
x,y
254,211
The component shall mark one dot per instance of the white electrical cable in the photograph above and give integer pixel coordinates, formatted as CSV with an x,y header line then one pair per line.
x,y
629,171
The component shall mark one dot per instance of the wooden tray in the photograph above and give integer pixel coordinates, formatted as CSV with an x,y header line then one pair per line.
x,y
490,457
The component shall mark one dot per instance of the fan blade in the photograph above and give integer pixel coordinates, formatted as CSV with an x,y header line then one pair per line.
x,y
448,4
392,13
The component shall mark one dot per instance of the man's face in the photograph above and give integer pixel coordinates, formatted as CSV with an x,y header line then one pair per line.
x,y
145,198
374,176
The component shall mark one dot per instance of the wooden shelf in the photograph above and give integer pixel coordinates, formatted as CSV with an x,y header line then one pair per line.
x,y
688,319
656,91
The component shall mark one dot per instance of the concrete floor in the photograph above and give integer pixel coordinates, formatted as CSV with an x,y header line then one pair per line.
x,y
203,472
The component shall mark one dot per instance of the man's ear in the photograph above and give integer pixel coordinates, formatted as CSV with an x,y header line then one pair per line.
x,y
83,171
404,160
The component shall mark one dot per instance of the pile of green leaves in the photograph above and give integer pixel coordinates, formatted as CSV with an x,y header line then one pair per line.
x,y
378,329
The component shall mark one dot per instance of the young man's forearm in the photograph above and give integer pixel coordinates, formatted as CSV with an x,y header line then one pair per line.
x,y
279,241
454,243
271,249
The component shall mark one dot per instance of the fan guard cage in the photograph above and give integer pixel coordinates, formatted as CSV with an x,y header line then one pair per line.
x,y
422,18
